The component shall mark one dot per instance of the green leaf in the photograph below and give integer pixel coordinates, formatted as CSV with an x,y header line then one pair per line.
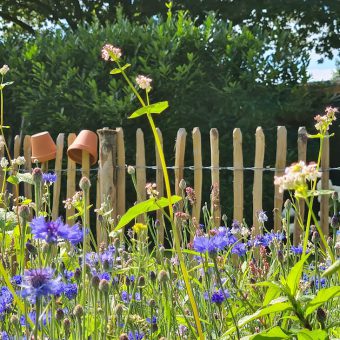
x,y
271,294
276,333
153,108
6,84
332,269
294,275
151,204
119,70
322,297
13,180
274,308
318,334
27,178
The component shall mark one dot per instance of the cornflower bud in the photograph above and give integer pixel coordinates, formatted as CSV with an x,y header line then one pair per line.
x,y
152,303
131,170
152,276
119,310
37,176
24,211
182,184
141,281
163,276
67,325
77,274
85,184
104,286
59,315
95,281
78,311
123,336
14,320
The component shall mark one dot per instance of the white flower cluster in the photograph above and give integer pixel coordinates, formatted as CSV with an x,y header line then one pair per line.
x,y
4,162
296,176
323,122
4,69
109,51
144,82
19,161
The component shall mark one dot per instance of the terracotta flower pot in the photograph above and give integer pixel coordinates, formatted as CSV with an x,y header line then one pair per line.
x,y
86,141
43,147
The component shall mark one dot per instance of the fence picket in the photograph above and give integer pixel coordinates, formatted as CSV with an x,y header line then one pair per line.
x,y
140,169
215,176
238,175
107,164
281,154
198,174
120,175
258,177
324,203
302,156
28,165
57,171
160,189
71,177
179,158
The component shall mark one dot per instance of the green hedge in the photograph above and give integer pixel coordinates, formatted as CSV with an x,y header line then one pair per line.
x,y
213,74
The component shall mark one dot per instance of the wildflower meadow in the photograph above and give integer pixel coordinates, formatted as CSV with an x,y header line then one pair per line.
x,y
208,281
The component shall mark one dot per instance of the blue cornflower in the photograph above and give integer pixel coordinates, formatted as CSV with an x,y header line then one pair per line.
x,y
219,296
105,276
16,279
40,282
137,296
92,259
152,321
75,234
296,250
70,290
212,244
32,316
6,299
49,178
108,255
135,335
4,335
125,296
68,275
201,244
239,248
49,231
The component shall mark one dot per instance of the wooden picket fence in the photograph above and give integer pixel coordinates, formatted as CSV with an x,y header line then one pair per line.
x,y
111,172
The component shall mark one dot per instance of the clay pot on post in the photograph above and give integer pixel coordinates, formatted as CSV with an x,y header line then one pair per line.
x,y
43,149
84,151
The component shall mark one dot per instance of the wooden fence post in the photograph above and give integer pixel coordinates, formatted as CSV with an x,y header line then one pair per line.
x,y
179,158
120,176
140,170
258,177
160,189
28,165
324,203
71,177
302,156
215,176
198,175
281,154
107,163
238,175
58,172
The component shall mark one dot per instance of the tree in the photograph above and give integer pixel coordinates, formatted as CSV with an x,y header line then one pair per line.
x,y
316,22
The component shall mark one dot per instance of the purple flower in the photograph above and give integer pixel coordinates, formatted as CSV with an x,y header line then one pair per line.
x,y
6,299
4,335
49,178
125,296
92,259
219,296
68,275
105,276
201,244
212,244
70,290
40,282
16,279
239,248
296,250
75,234
152,321
49,231
135,335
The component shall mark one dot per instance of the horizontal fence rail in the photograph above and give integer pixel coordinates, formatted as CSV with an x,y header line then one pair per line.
x,y
109,175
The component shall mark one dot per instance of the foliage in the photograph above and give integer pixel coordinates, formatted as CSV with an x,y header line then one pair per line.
x,y
316,23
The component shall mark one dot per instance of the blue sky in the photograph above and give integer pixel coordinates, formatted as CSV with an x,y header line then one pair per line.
x,y
322,71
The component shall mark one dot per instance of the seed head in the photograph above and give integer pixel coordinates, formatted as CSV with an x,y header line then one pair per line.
x,y
163,276
95,281
104,286
119,309
131,170
59,315
78,311
67,325
84,184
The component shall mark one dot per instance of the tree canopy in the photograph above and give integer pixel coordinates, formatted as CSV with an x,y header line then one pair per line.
x,y
317,22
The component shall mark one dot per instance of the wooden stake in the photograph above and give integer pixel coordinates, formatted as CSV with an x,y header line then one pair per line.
x,y
120,176
280,164
140,170
57,171
71,177
238,175
215,176
324,203
302,156
28,165
258,177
